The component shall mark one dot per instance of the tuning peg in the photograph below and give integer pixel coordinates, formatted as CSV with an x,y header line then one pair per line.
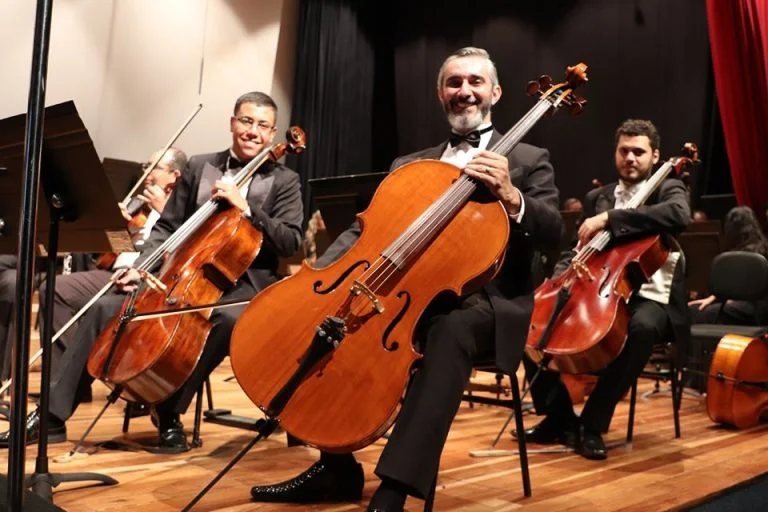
x,y
576,107
532,88
545,82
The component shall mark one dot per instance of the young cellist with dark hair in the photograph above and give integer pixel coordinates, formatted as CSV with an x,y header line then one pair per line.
x,y
657,311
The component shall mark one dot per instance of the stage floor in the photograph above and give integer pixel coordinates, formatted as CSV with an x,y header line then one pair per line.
x,y
658,472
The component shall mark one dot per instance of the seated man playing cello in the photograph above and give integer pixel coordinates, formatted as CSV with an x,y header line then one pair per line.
x,y
657,311
457,330
271,201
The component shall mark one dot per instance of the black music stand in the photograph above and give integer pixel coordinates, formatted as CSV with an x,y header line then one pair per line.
x,y
699,248
76,191
341,197
122,175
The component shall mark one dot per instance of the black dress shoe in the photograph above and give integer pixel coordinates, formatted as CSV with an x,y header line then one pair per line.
x,y
56,433
172,438
321,482
551,431
590,445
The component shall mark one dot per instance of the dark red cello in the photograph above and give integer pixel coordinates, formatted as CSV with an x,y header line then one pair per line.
x,y
328,352
580,318
153,358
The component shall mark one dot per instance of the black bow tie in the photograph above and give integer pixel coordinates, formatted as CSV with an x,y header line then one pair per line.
x,y
472,138
234,163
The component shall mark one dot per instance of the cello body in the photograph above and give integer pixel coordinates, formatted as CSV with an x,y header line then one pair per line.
x,y
153,358
738,358
592,327
347,398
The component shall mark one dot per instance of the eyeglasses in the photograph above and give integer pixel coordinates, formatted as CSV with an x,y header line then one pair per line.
x,y
248,123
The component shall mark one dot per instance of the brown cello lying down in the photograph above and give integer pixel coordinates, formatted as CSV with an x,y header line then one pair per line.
x,y
580,317
153,358
328,352
737,384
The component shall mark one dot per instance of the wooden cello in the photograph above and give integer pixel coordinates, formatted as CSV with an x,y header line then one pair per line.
x,y
153,358
328,352
737,384
580,317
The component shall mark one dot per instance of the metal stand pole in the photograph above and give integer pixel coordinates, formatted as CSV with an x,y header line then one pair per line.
x,y
33,144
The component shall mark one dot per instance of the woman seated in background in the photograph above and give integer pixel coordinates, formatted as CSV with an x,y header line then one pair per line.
x,y
741,232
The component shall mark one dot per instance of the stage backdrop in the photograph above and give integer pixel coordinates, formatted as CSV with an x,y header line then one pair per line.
x,y
365,79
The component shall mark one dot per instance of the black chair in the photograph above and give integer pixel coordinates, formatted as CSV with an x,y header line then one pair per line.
x,y
514,403
196,441
734,275
664,369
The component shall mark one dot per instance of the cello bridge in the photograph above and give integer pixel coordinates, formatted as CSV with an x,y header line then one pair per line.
x,y
359,288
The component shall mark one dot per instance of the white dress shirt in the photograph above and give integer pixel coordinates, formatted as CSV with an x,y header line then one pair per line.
x,y
126,259
659,287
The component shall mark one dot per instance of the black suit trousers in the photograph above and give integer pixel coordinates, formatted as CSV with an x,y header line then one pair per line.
x,y
71,293
7,299
648,326
454,338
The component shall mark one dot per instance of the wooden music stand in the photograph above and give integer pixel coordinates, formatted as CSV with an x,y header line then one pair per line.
x,y
75,190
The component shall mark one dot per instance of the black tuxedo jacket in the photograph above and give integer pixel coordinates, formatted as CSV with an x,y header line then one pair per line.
x,y
511,292
667,213
274,197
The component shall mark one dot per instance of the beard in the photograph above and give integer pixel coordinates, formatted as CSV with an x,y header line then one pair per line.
x,y
636,175
463,121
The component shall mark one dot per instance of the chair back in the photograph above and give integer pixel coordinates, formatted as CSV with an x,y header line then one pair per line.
x,y
739,275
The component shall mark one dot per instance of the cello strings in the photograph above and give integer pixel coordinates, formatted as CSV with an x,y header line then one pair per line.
x,y
599,242
203,213
507,142
425,228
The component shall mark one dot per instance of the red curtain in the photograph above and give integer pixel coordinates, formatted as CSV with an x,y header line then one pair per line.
x,y
739,42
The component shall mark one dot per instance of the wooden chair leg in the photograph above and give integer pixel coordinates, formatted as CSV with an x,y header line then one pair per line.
x,y
631,420
521,446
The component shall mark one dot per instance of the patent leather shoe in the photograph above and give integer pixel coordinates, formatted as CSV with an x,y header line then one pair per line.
x,y
550,431
172,438
56,433
590,445
321,482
